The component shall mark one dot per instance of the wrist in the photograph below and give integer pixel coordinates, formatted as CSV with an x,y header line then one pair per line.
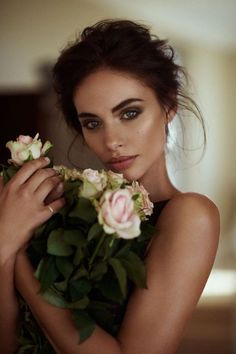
x,y
7,257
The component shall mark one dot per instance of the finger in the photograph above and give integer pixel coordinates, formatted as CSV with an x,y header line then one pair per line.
x,y
54,207
39,177
56,193
28,169
47,186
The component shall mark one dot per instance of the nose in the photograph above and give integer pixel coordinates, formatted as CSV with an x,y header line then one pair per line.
x,y
113,138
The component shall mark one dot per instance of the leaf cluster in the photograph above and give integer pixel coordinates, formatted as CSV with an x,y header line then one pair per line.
x,y
83,269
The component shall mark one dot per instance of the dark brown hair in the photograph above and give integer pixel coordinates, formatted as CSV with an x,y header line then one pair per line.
x,y
124,46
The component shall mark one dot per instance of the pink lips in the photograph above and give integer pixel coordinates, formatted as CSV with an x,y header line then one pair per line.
x,y
121,163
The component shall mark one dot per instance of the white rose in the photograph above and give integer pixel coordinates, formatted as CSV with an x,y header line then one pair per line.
x,y
26,148
115,180
117,215
94,183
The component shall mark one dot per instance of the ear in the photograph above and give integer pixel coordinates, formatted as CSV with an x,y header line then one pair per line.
x,y
170,114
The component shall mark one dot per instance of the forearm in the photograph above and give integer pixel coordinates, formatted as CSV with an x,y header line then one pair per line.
x,y
8,306
57,323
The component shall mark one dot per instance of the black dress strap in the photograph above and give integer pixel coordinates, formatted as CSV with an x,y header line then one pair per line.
x,y
157,209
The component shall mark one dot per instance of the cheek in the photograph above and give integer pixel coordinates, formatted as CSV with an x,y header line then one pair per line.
x,y
151,132
93,141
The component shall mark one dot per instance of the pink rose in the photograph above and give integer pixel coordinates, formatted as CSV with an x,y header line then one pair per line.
x,y
26,148
117,215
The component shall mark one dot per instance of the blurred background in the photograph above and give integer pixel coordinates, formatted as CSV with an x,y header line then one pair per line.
x,y
32,33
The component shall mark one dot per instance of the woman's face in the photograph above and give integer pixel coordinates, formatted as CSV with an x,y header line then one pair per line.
x,y
122,122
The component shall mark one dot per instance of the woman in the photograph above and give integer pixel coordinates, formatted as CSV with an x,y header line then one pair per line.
x,y
120,87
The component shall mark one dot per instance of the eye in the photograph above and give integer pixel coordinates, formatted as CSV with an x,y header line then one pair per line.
x,y
90,124
130,113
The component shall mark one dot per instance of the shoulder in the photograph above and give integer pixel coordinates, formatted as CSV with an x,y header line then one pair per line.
x,y
190,209
191,221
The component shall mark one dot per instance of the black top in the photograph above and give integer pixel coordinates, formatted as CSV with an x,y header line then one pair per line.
x,y
157,209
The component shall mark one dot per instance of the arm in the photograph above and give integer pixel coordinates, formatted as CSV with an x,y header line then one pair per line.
x,y
22,209
57,323
179,262
8,307
178,265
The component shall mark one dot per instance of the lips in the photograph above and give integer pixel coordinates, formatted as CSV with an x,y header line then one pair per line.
x,y
122,162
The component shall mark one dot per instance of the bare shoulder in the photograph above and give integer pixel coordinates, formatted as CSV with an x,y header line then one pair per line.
x,y
178,262
190,209
190,223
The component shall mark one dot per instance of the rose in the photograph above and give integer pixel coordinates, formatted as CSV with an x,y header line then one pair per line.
x,y
143,205
68,173
26,148
115,180
94,183
117,215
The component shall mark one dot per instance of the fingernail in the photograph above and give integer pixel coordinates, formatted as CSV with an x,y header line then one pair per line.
x,y
47,159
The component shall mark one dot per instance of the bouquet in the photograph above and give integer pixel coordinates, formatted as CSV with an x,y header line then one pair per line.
x,y
89,255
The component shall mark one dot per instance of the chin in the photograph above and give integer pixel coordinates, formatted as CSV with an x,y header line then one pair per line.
x,y
131,175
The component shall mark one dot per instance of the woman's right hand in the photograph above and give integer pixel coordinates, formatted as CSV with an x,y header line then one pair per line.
x,y
25,202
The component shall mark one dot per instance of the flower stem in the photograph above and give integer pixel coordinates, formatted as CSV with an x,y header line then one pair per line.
x,y
99,244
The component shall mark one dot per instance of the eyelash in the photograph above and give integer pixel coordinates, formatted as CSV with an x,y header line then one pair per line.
x,y
132,110
134,114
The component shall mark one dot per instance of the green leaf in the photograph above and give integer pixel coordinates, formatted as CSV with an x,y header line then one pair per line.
x,y
56,244
72,186
78,256
79,273
95,231
147,231
47,272
84,210
109,287
54,298
74,237
124,251
109,246
135,269
64,266
80,304
79,288
84,323
135,197
9,172
61,286
120,273
98,271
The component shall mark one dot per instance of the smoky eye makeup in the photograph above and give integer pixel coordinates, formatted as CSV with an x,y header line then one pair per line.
x,y
89,123
131,113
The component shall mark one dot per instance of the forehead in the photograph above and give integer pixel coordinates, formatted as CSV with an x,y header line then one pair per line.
x,y
109,87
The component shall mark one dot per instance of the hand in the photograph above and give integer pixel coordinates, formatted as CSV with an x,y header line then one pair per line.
x,y
24,204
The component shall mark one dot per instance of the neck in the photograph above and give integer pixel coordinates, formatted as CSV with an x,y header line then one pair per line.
x,y
157,182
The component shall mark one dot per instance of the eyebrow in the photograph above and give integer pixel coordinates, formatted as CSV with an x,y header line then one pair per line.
x,y
113,110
